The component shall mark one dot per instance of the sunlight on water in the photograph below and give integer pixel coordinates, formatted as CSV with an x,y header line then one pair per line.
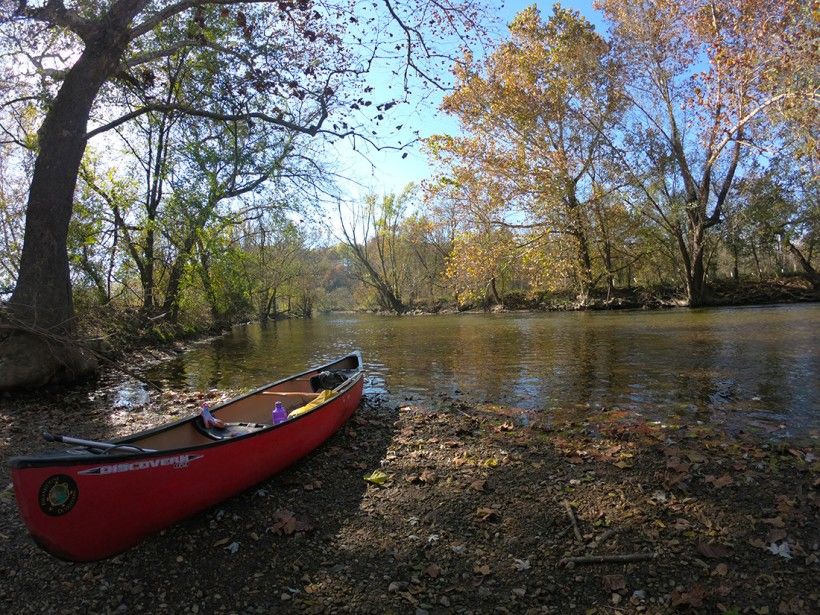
x,y
735,364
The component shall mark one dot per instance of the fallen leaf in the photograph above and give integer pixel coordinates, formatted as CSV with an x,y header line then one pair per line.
x,y
678,465
614,582
694,597
377,477
429,477
775,535
783,549
718,483
682,525
721,570
775,522
483,570
433,571
521,564
504,427
478,485
286,523
695,457
713,550
221,542
487,514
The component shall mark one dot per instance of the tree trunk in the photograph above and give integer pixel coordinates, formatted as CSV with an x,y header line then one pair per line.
x,y
208,287
40,348
147,273
610,276
694,269
696,278
735,264
272,307
809,272
170,305
494,290
757,263
584,267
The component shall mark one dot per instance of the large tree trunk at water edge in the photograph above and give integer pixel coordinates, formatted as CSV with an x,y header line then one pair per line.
x,y
697,292
37,345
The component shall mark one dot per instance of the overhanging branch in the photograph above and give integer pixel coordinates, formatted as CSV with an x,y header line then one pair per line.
x,y
311,130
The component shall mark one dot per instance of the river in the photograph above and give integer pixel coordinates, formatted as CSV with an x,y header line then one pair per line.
x,y
741,366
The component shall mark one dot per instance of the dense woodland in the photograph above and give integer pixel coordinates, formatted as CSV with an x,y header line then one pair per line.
x,y
165,169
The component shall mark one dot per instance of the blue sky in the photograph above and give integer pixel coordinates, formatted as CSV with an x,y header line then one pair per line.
x,y
386,171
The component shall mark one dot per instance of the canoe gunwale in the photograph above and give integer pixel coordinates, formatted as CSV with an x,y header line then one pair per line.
x,y
64,458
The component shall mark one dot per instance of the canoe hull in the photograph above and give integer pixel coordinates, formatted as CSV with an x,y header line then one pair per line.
x,y
92,509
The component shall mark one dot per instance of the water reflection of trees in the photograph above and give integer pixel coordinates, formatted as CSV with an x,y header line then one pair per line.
x,y
689,363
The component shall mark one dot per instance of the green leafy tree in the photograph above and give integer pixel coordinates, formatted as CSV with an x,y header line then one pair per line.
x,y
297,49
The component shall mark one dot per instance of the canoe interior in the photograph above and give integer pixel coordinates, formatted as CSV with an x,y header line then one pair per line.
x,y
255,407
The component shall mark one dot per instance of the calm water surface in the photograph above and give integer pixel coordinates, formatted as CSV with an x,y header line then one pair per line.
x,y
758,364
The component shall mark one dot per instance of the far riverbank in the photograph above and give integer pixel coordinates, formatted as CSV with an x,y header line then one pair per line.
x,y
724,294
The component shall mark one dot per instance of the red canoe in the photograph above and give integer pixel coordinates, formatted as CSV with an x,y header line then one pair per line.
x,y
89,503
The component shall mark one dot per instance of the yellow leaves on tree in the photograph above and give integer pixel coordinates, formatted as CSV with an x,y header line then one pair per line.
x,y
532,155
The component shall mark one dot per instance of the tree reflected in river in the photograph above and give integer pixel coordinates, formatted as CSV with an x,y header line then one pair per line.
x,y
712,365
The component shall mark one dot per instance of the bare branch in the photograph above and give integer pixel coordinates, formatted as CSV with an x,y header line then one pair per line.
x,y
311,130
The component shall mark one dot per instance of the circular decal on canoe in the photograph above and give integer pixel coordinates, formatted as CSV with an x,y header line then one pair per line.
x,y
58,494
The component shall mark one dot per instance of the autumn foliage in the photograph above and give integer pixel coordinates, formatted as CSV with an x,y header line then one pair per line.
x,y
608,151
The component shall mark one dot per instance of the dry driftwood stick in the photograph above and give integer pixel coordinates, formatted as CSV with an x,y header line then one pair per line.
x,y
574,521
608,559
603,538
562,532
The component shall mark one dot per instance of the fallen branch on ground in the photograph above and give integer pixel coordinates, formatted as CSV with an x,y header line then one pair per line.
x,y
574,521
603,538
562,532
607,559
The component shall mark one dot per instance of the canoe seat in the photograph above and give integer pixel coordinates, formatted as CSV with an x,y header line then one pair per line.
x,y
231,430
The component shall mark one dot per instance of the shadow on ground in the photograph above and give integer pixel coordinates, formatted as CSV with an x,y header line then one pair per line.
x,y
472,518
